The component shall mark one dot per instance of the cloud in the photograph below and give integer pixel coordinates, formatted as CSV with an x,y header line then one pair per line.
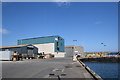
x,y
3,31
62,3
61,0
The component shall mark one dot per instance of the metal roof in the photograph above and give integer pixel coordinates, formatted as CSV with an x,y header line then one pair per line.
x,y
69,46
72,46
14,46
39,37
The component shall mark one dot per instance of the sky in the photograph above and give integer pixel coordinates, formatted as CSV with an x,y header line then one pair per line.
x,y
90,23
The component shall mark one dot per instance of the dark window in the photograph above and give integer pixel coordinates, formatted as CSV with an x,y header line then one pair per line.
x,y
57,44
58,48
58,38
6,49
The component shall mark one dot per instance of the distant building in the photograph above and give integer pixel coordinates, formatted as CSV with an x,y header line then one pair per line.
x,y
21,49
45,45
71,50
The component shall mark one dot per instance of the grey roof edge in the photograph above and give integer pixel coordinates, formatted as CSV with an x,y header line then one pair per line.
x,y
73,46
15,46
41,37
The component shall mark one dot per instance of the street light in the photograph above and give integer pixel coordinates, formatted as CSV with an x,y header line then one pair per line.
x,y
74,46
74,56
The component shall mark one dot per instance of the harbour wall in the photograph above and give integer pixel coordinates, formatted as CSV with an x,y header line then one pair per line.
x,y
101,59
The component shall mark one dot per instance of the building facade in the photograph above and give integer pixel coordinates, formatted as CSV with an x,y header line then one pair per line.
x,y
71,50
21,49
49,44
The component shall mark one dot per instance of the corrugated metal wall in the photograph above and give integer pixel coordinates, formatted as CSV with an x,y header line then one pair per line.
x,y
69,52
40,40
45,40
60,44
73,50
21,50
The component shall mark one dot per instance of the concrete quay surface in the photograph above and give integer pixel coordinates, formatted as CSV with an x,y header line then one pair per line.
x,y
45,68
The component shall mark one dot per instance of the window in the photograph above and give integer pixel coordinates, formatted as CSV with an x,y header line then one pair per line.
x,y
57,44
58,48
6,49
58,38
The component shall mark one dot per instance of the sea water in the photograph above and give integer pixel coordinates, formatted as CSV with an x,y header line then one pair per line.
x,y
108,70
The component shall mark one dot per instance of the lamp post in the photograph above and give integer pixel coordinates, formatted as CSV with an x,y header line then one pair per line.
x,y
74,44
74,48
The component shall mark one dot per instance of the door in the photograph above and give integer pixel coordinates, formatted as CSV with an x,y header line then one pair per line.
x,y
30,51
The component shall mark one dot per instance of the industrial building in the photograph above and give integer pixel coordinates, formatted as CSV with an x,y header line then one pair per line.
x,y
71,50
28,50
46,45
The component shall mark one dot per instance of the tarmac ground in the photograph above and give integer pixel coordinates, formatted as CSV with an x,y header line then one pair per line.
x,y
44,68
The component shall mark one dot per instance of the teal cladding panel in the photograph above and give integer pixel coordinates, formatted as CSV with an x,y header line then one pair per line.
x,y
59,43
40,40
